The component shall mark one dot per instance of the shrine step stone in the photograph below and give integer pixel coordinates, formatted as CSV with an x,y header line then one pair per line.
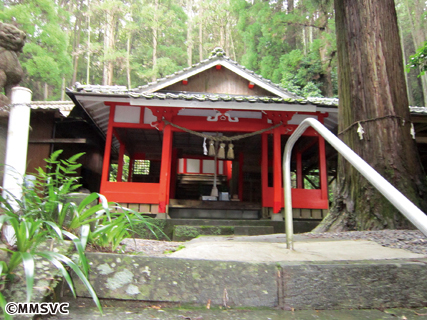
x,y
188,232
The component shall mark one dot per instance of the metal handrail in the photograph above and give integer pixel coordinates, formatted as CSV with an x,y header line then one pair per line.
x,y
406,207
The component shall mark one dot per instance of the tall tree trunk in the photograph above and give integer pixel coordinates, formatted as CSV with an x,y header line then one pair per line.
x,y
189,5
63,89
46,91
291,30
408,86
372,87
155,26
325,60
221,36
201,38
128,62
76,43
111,43
232,46
88,46
227,38
106,43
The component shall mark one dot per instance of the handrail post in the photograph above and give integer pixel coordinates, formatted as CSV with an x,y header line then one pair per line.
x,y
406,207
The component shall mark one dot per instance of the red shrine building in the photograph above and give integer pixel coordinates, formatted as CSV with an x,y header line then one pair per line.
x,y
209,138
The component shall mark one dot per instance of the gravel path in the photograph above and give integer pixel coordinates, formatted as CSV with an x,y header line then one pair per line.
x,y
153,248
411,240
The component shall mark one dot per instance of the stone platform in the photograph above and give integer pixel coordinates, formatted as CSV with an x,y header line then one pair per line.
x,y
260,272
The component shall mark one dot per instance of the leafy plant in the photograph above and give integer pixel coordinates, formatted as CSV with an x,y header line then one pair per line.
x,y
29,234
418,61
46,210
115,227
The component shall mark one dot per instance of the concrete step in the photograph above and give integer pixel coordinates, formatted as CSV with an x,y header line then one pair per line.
x,y
167,226
187,232
195,213
299,285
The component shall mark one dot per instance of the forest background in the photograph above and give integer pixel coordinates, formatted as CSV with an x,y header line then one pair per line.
x,y
132,42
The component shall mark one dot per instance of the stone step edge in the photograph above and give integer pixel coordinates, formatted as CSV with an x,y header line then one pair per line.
x,y
297,285
188,232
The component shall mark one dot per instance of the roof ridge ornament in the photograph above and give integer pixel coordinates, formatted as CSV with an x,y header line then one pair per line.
x,y
217,52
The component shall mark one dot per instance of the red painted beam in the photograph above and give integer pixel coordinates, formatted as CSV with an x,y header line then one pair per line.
x,y
132,192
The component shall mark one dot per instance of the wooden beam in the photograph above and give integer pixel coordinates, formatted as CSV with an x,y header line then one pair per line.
x,y
418,119
421,139
58,140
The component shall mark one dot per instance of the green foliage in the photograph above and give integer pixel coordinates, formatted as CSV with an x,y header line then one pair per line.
x,y
45,58
418,61
29,233
47,210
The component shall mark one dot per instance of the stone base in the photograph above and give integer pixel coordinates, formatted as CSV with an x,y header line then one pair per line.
x,y
276,217
162,216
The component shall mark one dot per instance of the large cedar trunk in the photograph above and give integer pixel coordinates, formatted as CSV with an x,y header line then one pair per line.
x,y
372,87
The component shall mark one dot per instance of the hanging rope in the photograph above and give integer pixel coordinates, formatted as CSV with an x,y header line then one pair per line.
x,y
369,120
223,138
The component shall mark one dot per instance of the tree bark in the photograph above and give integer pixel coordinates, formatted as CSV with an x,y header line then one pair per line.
x,y
189,5
128,62
372,87
155,26
76,43
88,46
201,37
291,31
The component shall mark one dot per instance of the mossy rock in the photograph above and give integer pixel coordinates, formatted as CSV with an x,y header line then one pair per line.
x,y
159,230
183,233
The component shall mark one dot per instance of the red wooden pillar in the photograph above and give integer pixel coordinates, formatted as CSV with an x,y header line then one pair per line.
x,y
277,172
323,173
229,171
165,169
120,166
300,180
264,168
107,152
240,183
174,171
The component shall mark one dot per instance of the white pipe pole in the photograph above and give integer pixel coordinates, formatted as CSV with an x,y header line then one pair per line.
x,y
17,142
406,207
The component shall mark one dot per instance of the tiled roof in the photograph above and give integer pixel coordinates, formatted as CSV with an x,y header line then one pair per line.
x,y
189,96
418,110
64,107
